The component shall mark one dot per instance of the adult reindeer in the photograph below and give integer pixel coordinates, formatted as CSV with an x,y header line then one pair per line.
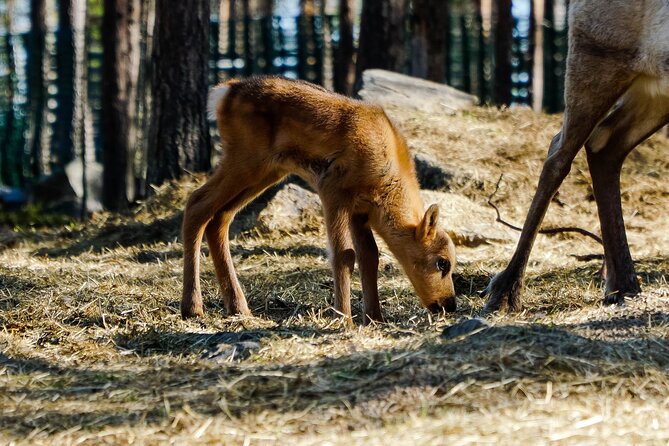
x,y
616,96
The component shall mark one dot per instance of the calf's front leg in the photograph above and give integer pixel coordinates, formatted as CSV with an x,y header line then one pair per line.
x,y
367,254
342,254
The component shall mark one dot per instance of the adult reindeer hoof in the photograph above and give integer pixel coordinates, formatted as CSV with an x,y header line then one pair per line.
x,y
618,297
504,288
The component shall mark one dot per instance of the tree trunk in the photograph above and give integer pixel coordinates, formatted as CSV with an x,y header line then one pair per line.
x,y
83,150
120,34
179,139
36,87
538,59
63,149
144,99
382,37
343,66
503,46
430,39
551,95
8,165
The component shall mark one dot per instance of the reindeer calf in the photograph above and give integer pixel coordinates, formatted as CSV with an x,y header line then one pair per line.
x,y
347,151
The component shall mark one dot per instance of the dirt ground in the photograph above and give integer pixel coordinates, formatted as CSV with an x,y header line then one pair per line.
x,y
93,350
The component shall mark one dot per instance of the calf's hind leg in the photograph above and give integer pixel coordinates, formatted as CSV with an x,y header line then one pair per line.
x,y
223,194
217,233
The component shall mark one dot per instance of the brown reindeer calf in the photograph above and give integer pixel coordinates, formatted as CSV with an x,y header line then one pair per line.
x,y
352,155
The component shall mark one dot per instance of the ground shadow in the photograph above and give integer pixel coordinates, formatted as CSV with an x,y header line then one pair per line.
x,y
529,354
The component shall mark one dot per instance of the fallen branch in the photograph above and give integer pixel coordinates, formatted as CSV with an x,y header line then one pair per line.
x,y
548,231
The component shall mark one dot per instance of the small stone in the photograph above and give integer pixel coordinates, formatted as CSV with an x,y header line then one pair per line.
x,y
465,327
231,352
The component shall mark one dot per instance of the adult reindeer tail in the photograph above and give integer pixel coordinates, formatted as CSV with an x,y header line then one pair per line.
x,y
214,100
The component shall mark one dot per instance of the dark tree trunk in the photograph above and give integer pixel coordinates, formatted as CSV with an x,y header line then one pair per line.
x,y
382,37
36,86
343,64
63,149
8,165
481,52
430,39
551,99
120,34
503,46
532,39
179,138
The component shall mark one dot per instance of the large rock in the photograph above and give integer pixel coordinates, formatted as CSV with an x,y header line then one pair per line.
x,y
292,209
468,223
393,89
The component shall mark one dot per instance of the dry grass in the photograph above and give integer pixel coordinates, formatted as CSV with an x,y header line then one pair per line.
x,y
92,349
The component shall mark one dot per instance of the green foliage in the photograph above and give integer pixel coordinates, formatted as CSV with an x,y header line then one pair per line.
x,y
33,215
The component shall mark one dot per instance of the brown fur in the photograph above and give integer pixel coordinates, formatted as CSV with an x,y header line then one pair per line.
x,y
352,155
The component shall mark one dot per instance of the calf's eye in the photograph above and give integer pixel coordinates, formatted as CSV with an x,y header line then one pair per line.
x,y
444,265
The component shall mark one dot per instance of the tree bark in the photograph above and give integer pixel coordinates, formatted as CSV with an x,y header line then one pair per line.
x,y
63,149
120,39
179,137
503,46
8,165
538,58
430,39
343,65
382,37
36,87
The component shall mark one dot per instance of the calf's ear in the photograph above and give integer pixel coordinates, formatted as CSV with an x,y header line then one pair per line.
x,y
427,228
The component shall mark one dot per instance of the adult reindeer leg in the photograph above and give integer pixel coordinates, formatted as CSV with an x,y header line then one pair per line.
x,y
637,116
588,98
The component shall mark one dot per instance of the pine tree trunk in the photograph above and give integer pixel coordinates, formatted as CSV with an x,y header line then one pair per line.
x,y
538,59
343,65
382,37
120,34
430,39
63,149
179,137
36,87
503,46
144,99
8,174
83,150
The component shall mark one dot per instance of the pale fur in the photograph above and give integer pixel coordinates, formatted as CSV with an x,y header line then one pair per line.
x,y
616,95
215,98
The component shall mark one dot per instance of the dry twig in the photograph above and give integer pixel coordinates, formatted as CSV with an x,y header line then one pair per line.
x,y
548,231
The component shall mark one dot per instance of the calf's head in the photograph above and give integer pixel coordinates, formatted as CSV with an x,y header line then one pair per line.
x,y
431,264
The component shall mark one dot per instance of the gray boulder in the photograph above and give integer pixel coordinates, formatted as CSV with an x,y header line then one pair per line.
x,y
397,90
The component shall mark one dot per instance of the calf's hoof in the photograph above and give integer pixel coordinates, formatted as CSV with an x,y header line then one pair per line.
x,y
189,311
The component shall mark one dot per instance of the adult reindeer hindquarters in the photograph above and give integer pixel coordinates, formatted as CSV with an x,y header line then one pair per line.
x,y
616,96
352,155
